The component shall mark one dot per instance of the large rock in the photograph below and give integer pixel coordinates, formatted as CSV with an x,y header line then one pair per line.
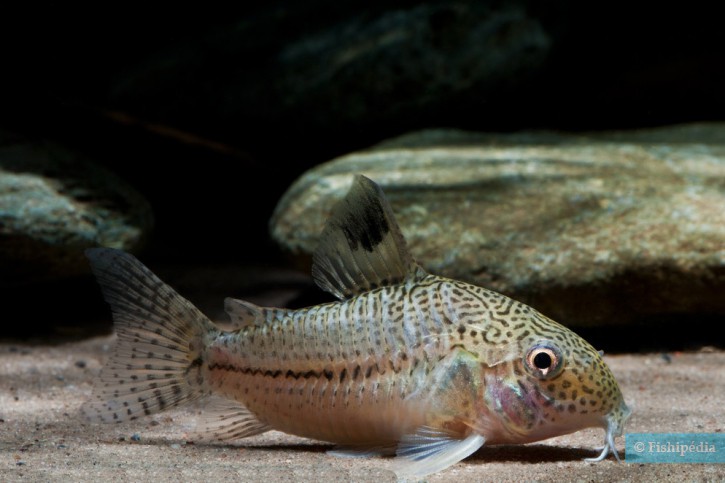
x,y
591,229
53,205
324,72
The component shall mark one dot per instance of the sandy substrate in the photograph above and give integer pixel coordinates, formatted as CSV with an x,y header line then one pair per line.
x,y
43,439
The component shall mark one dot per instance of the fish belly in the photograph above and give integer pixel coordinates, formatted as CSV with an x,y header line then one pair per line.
x,y
371,412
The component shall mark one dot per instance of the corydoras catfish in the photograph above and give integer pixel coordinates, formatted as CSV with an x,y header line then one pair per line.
x,y
406,363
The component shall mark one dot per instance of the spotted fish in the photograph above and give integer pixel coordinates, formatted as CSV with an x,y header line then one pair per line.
x,y
406,363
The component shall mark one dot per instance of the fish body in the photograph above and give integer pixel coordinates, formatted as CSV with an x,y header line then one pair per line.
x,y
407,363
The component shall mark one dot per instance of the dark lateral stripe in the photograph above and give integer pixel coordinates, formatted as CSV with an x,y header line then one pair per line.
x,y
290,374
252,371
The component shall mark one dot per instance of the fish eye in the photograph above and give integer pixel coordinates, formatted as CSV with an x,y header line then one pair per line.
x,y
543,360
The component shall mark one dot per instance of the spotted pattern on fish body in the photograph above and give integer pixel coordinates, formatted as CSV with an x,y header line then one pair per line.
x,y
406,362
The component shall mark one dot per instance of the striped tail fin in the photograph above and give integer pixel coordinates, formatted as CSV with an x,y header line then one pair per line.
x,y
156,362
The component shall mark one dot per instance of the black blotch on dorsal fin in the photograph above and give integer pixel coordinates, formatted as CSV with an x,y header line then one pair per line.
x,y
362,247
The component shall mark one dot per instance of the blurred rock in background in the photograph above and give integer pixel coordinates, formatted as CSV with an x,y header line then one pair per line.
x,y
53,205
319,73
599,229
210,115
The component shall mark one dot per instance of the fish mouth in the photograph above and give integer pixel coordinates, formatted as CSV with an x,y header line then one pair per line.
x,y
615,427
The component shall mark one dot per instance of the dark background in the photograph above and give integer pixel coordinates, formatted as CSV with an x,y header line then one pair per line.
x,y
192,106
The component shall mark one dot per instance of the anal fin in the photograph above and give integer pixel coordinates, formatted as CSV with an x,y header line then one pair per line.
x,y
225,420
430,450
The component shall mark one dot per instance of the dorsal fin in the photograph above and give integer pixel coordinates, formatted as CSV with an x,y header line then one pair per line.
x,y
362,247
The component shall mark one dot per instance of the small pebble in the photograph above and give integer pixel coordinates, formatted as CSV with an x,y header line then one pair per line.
x,y
176,446
20,463
136,437
81,364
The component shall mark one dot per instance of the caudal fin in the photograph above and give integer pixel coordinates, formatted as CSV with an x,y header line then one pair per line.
x,y
156,362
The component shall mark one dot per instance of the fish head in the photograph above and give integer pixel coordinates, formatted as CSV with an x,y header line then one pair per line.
x,y
554,383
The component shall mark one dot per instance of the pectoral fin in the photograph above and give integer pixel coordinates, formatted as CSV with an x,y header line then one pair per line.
x,y
430,450
452,394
